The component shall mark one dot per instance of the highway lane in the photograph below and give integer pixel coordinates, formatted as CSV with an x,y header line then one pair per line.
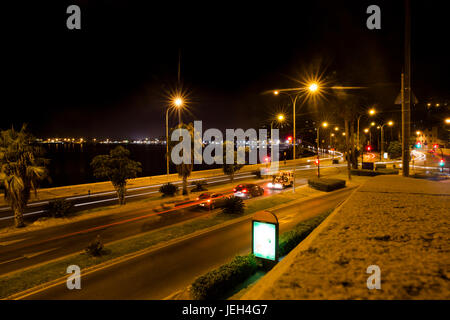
x,y
159,273
82,202
34,247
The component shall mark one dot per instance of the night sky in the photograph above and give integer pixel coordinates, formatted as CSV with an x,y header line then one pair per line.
x,y
110,78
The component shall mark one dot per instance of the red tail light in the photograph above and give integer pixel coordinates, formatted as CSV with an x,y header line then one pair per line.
x,y
234,190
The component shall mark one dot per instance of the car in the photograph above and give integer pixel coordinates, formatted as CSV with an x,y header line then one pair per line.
x,y
248,190
211,200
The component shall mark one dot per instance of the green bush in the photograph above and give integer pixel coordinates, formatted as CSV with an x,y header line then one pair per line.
x,y
168,189
95,248
324,184
199,186
59,208
394,149
234,205
387,171
214,284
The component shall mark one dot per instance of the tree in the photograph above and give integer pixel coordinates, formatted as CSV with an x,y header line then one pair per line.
x,y
184,169
230,169
21,169
395,149
118,168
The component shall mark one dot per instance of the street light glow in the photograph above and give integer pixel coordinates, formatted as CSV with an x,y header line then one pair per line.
x,y
313,87
276,92
418,133
178,102
280,117
372,112
391,123
325,124
447,121
336,129
366,130
373,124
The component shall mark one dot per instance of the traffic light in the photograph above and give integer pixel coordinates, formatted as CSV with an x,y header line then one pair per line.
x,y
317,162
266,158
289,139
435,146
368,148
441,162
418,145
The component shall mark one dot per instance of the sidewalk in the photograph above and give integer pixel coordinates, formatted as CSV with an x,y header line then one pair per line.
x,y
399,224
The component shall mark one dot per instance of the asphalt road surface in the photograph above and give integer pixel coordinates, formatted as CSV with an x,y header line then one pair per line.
x,y
159,273
27,249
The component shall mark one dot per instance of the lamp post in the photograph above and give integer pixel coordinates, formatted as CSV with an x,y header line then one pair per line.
x,y
371,113
176,103
324,124
313,88
390,124
280,118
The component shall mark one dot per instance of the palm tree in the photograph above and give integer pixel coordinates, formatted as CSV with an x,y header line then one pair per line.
x,y
21,169
118,168
184,169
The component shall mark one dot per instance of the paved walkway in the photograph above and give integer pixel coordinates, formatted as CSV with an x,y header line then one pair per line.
x,y
400,224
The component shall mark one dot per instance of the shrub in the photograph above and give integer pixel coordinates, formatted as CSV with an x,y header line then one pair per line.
x,y
394,149
59,208
95,247
327,185
199,186
371,173
214,284
234,205
168,189
257,173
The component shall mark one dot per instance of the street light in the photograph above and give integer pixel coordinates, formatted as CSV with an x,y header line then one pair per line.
x,y
280,118
324,124
177,102
447,121
371,112
390,124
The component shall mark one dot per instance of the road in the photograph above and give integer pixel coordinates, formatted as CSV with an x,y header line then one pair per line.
x,y
159,273
27,249
82,202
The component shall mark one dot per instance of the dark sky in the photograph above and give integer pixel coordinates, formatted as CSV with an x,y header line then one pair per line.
x,y
110,78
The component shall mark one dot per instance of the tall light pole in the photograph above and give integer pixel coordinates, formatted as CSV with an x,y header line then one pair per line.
x,y
406,92
390,124
177,102
371,112
324,124
312,88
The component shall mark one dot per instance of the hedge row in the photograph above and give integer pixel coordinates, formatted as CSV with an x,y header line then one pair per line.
x,y
327,185
371,173
215,283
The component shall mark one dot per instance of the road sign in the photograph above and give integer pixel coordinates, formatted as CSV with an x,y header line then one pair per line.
x,y
265,229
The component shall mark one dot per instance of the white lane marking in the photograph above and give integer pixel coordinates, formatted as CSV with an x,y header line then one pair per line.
x,y
35,254
6,243
28,256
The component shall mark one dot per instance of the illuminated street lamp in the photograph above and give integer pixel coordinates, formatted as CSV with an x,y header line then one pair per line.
x,y
390,124
280,118
177,102
324,124
447,121
371,112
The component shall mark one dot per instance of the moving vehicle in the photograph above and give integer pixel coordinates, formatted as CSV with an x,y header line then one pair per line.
x,y
212,200
281,180
248,190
